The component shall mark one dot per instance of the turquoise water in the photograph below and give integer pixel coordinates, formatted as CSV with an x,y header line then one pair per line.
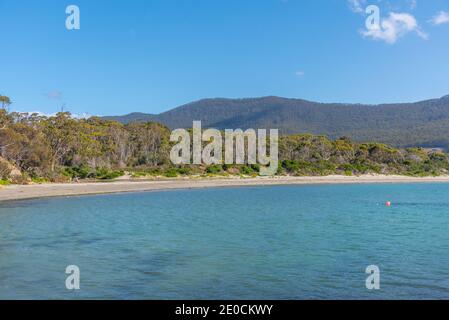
x,y
288,242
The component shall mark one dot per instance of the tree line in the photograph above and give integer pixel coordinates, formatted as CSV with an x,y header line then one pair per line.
x,y
61,148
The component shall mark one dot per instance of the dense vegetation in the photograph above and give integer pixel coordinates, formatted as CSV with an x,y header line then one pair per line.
x,y
61,148
424,123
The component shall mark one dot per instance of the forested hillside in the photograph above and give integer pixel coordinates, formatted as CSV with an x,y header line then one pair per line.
x,y
424,123
34,148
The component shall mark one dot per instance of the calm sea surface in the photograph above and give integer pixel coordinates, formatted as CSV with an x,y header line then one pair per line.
x,y
293,242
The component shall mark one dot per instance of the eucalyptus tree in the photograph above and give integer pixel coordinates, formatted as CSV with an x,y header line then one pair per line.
x,y
61,132
5,101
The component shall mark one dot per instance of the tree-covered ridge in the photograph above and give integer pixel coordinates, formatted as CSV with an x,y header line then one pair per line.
x,y
61,148
424,123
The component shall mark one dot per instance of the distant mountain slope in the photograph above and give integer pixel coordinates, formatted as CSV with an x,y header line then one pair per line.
x,y
133,117
424,123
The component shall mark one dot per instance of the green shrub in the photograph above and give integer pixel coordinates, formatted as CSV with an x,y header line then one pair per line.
x,y
82,172
290,166
214,169
106,174
139,174
39,180
171,173
153,171
247,170
184,171
255,167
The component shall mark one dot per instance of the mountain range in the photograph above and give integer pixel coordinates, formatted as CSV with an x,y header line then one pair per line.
x,y
424,123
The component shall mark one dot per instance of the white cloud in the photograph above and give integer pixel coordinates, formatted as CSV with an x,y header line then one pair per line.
x,y
394,27
300,73
54,95
441,18
357,6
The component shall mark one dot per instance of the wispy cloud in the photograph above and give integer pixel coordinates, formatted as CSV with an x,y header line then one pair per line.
x,y
394,27
357,6
54,95
441,18
300,73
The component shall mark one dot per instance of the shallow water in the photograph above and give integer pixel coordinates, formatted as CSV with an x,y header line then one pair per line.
x,y
287,242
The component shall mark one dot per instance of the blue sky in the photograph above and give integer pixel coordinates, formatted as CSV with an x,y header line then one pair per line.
x,y
153,55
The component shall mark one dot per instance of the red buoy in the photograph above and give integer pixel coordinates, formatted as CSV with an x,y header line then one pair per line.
x,y
388,204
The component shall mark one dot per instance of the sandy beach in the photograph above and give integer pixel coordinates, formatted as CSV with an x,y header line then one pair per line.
x,y
21,192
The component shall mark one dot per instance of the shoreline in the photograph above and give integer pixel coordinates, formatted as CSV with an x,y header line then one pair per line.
x,y
26,192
